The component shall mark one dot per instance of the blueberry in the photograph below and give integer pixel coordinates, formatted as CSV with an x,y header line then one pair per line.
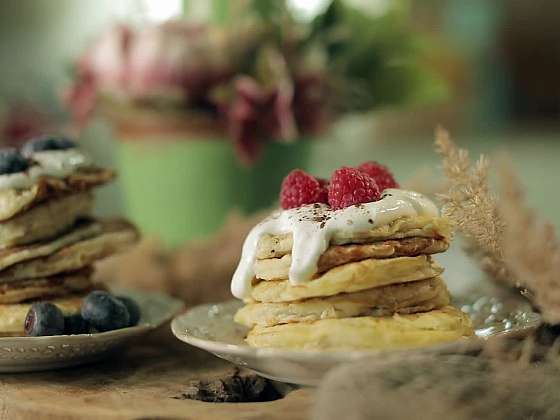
x,y
11,162
75,324
104,312
40,144
133,309
44,318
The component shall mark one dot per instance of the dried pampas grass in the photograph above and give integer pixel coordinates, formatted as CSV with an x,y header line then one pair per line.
x,y
471,206
530,247
508,239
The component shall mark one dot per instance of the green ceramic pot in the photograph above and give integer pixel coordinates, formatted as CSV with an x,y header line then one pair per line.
x,y
181,189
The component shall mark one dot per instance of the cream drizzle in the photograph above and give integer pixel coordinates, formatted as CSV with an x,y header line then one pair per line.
x,y
55,163
314,225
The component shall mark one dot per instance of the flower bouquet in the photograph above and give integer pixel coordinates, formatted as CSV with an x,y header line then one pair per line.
x,y
209,116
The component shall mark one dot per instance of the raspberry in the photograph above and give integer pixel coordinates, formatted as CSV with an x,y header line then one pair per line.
x,y
349,186
300,188
380,173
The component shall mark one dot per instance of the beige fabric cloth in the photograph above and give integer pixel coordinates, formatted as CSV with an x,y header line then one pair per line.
x,y
439,387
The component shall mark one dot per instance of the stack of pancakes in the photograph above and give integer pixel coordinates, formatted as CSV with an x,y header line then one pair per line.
x,y
377,290
49,241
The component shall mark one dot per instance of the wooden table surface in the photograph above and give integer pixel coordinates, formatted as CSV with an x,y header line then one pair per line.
x,y
147,381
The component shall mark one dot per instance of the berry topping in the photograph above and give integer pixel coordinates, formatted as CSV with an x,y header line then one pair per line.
x,y
380,173
75,324
133,309
350,186
11,162
44,318
300,188
104,312
41,144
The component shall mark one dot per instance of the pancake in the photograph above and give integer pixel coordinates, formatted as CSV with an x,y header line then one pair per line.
x,y
49,287
45,220
367,333
278,268
12,317
276,246
84,229
15,201
417,296
351,277
79,248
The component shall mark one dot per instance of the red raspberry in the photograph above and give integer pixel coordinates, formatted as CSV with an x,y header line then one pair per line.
x,y
300,188
380,173
349,186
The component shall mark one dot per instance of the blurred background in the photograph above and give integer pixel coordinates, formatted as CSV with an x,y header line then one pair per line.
x,y
203,106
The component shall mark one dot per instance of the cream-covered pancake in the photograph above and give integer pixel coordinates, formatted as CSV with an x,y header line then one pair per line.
x,y
307,231
46,287
417,296
45,220
275,246
351,277
335,255
78,249
12,317
14,201
367,333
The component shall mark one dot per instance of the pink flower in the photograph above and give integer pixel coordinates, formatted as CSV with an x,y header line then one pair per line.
x,y
103,68
107,61
310,105
175,59
257,115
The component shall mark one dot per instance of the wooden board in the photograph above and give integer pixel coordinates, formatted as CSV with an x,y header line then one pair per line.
x,y
147,381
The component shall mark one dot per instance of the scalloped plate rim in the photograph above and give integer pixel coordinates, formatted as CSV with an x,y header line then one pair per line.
x,y
108,341
221,348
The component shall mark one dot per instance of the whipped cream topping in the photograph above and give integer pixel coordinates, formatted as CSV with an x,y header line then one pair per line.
x,y
55,163
312,227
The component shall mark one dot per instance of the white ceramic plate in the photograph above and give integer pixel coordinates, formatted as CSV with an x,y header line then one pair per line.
x,y
211,327
28,354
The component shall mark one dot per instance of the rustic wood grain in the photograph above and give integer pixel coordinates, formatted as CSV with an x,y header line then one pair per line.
x,y
148,381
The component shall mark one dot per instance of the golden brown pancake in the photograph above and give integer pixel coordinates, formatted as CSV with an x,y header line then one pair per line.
x,y
15,201
45,220
417,296
114,236
351,277
276,246
367,333
100,240
46,287
278,268
12,317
